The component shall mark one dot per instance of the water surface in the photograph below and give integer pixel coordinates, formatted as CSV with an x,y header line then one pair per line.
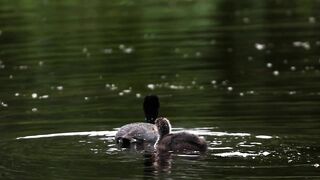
x,y
244,75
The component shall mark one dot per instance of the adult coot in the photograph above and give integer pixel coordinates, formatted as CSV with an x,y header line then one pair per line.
x,y
141,132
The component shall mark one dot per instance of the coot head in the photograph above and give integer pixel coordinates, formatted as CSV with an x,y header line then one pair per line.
x,y
163,125
151,107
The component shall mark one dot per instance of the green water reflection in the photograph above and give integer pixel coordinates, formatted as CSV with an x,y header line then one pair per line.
x,y
233,66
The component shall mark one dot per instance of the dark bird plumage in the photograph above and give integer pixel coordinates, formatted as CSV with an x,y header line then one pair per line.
x,y
177,142
141,132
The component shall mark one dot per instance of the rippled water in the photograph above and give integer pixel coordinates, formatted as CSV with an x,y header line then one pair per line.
x,y
243,74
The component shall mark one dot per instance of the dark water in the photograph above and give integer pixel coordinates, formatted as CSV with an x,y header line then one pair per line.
x,y
245,75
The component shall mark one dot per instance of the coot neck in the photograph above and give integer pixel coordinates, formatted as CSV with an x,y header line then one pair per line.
x,y
151,107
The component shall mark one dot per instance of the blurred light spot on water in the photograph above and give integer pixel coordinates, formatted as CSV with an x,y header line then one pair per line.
x,y
127,91
16,94
220,148
225,82
109,139
107,51
260,46
251,92
3,104
246,20
95,151
213,82
84,49
121,46
263,137
10,76
88,133
265,153
176,87
292,68
256,143
207,132
34,109
113,149
44,96
151,86
275,73
312,20
23,67
138,95
40,63
230,88
111,87
316,165
305,45
241,154
269,65
245,144
124,49
34,95
241,94
292,92
60,88
236,154
128,50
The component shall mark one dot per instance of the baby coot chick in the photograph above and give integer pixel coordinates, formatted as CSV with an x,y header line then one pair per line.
x,y
141,132
177,142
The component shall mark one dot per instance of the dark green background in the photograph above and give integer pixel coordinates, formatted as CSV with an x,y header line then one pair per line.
x,y
179,46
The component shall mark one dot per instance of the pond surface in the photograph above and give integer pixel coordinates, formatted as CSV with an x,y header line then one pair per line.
x,y
245,75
